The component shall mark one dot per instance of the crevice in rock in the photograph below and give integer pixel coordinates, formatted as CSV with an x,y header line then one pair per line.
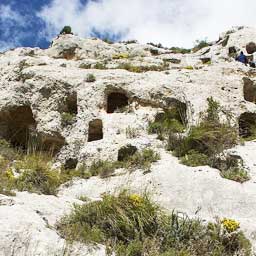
x,y
249,90
205,60
225,41
69,109
247,125
116,101
17,125
95,131
70,163
232,51
70,104
125,152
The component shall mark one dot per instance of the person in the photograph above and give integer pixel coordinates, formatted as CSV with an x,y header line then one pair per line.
x,y
242,58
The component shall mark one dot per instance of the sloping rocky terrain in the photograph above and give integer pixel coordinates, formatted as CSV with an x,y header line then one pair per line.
x,y
85,99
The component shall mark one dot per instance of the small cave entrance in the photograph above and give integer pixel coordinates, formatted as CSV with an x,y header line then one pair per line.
x,y
70,164
69,110
116,101
249,90
232,52
125,152
70,105
17,125
247,126
95,131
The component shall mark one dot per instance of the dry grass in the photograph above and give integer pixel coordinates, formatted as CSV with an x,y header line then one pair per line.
x,y
131,224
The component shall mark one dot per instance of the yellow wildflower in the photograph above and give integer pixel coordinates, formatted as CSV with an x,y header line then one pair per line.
x,y
136,199
230,225
9,174
121,56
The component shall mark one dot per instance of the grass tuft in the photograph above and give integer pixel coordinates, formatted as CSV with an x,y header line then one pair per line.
x,y
131,224
67,118
90,78
36,175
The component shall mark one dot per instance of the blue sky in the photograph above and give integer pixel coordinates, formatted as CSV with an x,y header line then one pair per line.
x,y
35,23
19,26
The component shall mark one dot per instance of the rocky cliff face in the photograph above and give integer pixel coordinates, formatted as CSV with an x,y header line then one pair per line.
x,y
81,97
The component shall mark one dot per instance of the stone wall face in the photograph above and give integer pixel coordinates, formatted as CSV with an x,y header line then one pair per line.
x,y
47,94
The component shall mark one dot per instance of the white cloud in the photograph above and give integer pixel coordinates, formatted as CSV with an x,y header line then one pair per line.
x,y
10,22
7,15
171,22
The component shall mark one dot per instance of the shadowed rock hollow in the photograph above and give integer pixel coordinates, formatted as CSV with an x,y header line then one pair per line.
x,y
17,125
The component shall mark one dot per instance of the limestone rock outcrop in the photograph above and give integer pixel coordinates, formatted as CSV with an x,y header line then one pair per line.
x,y
46,93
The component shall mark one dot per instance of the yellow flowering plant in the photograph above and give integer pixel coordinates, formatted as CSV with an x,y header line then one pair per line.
x,y
121,56
136,199
9,174
230,225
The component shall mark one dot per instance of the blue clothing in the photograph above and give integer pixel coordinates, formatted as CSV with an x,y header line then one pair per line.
x,y
242,58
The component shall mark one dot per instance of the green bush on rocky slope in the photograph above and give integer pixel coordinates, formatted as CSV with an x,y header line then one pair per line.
x,y
205,144
133,225
33,171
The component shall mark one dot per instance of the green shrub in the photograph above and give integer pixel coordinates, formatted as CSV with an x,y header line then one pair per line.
x,y
141,160
236,174
129,42
67,175
131,132
124,153
84,198
170,121
208,62
131,224
194,158
206,142
107,40
142,69
135,160
90,78
210,137
128,158
189,67
103,168
159,45
232,168
85,66
36,175
120,56
130,67
154,52
6,181
7,151
199,44
180,50
66,30
67,118
100,66
213,111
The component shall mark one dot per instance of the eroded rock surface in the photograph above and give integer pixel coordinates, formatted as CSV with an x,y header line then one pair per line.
x,y
43,86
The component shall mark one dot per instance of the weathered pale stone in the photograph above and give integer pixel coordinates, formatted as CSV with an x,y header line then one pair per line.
x,y
52,82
